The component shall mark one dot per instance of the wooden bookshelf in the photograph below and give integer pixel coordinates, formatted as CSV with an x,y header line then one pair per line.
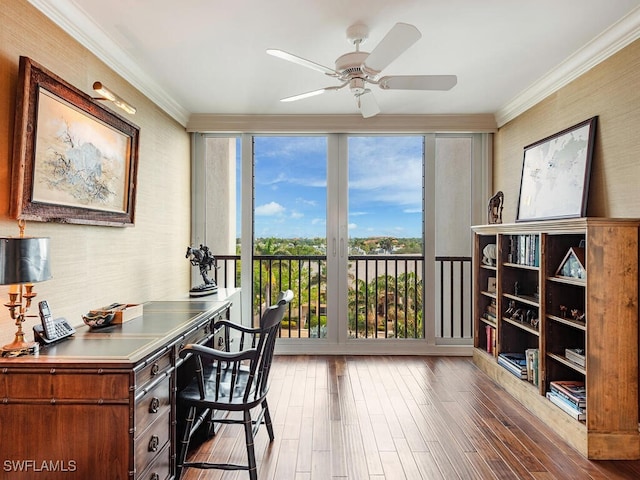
x,y
537,309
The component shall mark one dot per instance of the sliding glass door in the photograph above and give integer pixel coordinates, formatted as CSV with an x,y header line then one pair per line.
x,y
371,232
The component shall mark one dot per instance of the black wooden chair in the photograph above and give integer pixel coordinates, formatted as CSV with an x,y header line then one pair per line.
x,y
226,382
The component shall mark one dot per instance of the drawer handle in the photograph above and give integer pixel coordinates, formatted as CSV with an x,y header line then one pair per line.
x,y
153,443
155,405
155,368
155,476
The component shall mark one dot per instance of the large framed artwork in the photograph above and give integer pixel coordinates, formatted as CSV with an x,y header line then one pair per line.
x,y
555,174
74,161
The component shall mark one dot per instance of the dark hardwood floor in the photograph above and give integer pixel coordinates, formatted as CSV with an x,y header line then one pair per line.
x,y
387,417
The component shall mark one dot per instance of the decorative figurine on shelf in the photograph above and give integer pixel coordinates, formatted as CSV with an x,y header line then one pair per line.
x,y
489,255
495,208
511,308
516,288
203,259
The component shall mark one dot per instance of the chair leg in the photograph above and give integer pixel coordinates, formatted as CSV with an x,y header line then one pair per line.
x,y
267,419
251,454
211,425
184,442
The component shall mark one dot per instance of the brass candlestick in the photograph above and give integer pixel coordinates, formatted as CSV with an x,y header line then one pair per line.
x,y
18,312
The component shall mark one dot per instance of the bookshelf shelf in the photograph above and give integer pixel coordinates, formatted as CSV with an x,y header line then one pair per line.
x,y
565,361
523,267
488,321
532,301
529,255
568,281
522,325
568,321
488,267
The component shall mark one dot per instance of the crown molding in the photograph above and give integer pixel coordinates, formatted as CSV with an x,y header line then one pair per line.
x,y
77,24
341,123
615,38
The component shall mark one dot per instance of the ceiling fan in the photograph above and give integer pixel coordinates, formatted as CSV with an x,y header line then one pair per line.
x,y
358,70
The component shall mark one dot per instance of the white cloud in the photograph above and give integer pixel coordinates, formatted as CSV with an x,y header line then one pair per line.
x,y
295,214
270,209
353,226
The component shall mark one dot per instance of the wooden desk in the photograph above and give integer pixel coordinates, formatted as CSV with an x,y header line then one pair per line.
x,y
101,405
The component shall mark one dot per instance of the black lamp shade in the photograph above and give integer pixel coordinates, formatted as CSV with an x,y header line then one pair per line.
x,y
24,260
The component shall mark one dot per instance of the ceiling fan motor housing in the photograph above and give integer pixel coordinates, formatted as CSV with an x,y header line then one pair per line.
x,y
350,65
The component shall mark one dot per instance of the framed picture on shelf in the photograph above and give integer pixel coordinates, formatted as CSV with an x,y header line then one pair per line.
x,y
74,161
555,174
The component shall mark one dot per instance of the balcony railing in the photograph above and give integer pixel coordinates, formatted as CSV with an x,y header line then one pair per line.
x,y
385,297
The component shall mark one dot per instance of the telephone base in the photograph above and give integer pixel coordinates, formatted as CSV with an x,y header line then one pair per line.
x,y
65,332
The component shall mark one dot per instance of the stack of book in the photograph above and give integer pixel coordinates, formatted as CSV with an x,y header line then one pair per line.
x,y
570,396
576,355
516,363
524,250
491,338
531,355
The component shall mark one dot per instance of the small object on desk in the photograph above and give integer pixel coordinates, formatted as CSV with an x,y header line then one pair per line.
x,y
114,314
98,319
202,258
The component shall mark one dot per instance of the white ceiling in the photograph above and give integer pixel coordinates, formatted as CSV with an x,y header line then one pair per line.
x,y
208,56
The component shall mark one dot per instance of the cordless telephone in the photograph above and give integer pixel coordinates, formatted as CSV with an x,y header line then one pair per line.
x,y
51,330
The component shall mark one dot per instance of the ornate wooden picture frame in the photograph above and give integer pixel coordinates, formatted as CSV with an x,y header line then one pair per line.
x,y
74,161
555,174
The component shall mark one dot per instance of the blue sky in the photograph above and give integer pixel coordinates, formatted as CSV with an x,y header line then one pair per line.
x,y
385,186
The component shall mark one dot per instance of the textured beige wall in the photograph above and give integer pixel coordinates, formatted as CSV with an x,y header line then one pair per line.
x,y
611,90
92,265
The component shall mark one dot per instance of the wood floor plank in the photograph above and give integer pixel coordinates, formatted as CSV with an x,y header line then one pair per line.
x,y
388,418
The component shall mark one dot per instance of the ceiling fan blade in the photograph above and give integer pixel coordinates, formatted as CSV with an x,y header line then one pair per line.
x,y
367,104
396,41
312,93
418,82
301,96
302,61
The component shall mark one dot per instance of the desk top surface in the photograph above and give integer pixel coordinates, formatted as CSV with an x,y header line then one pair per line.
x,y
162,323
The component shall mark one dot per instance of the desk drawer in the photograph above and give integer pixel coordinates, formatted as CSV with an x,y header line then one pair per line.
x,y
153,404
90,385
150,442
159,469
201,335
154,369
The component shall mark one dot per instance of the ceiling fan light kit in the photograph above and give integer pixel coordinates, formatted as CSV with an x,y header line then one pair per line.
x,y
357,69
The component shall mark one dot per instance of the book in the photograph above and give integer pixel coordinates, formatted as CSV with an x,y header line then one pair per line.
x,y
576,355
515,371
515,358
490,336
573,391
532,365
560,402
516,363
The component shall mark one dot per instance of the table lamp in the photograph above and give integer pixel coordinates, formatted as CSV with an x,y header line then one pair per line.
x,y
23,262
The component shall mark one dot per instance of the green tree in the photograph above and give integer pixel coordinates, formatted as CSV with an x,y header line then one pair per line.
x,y
269,247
